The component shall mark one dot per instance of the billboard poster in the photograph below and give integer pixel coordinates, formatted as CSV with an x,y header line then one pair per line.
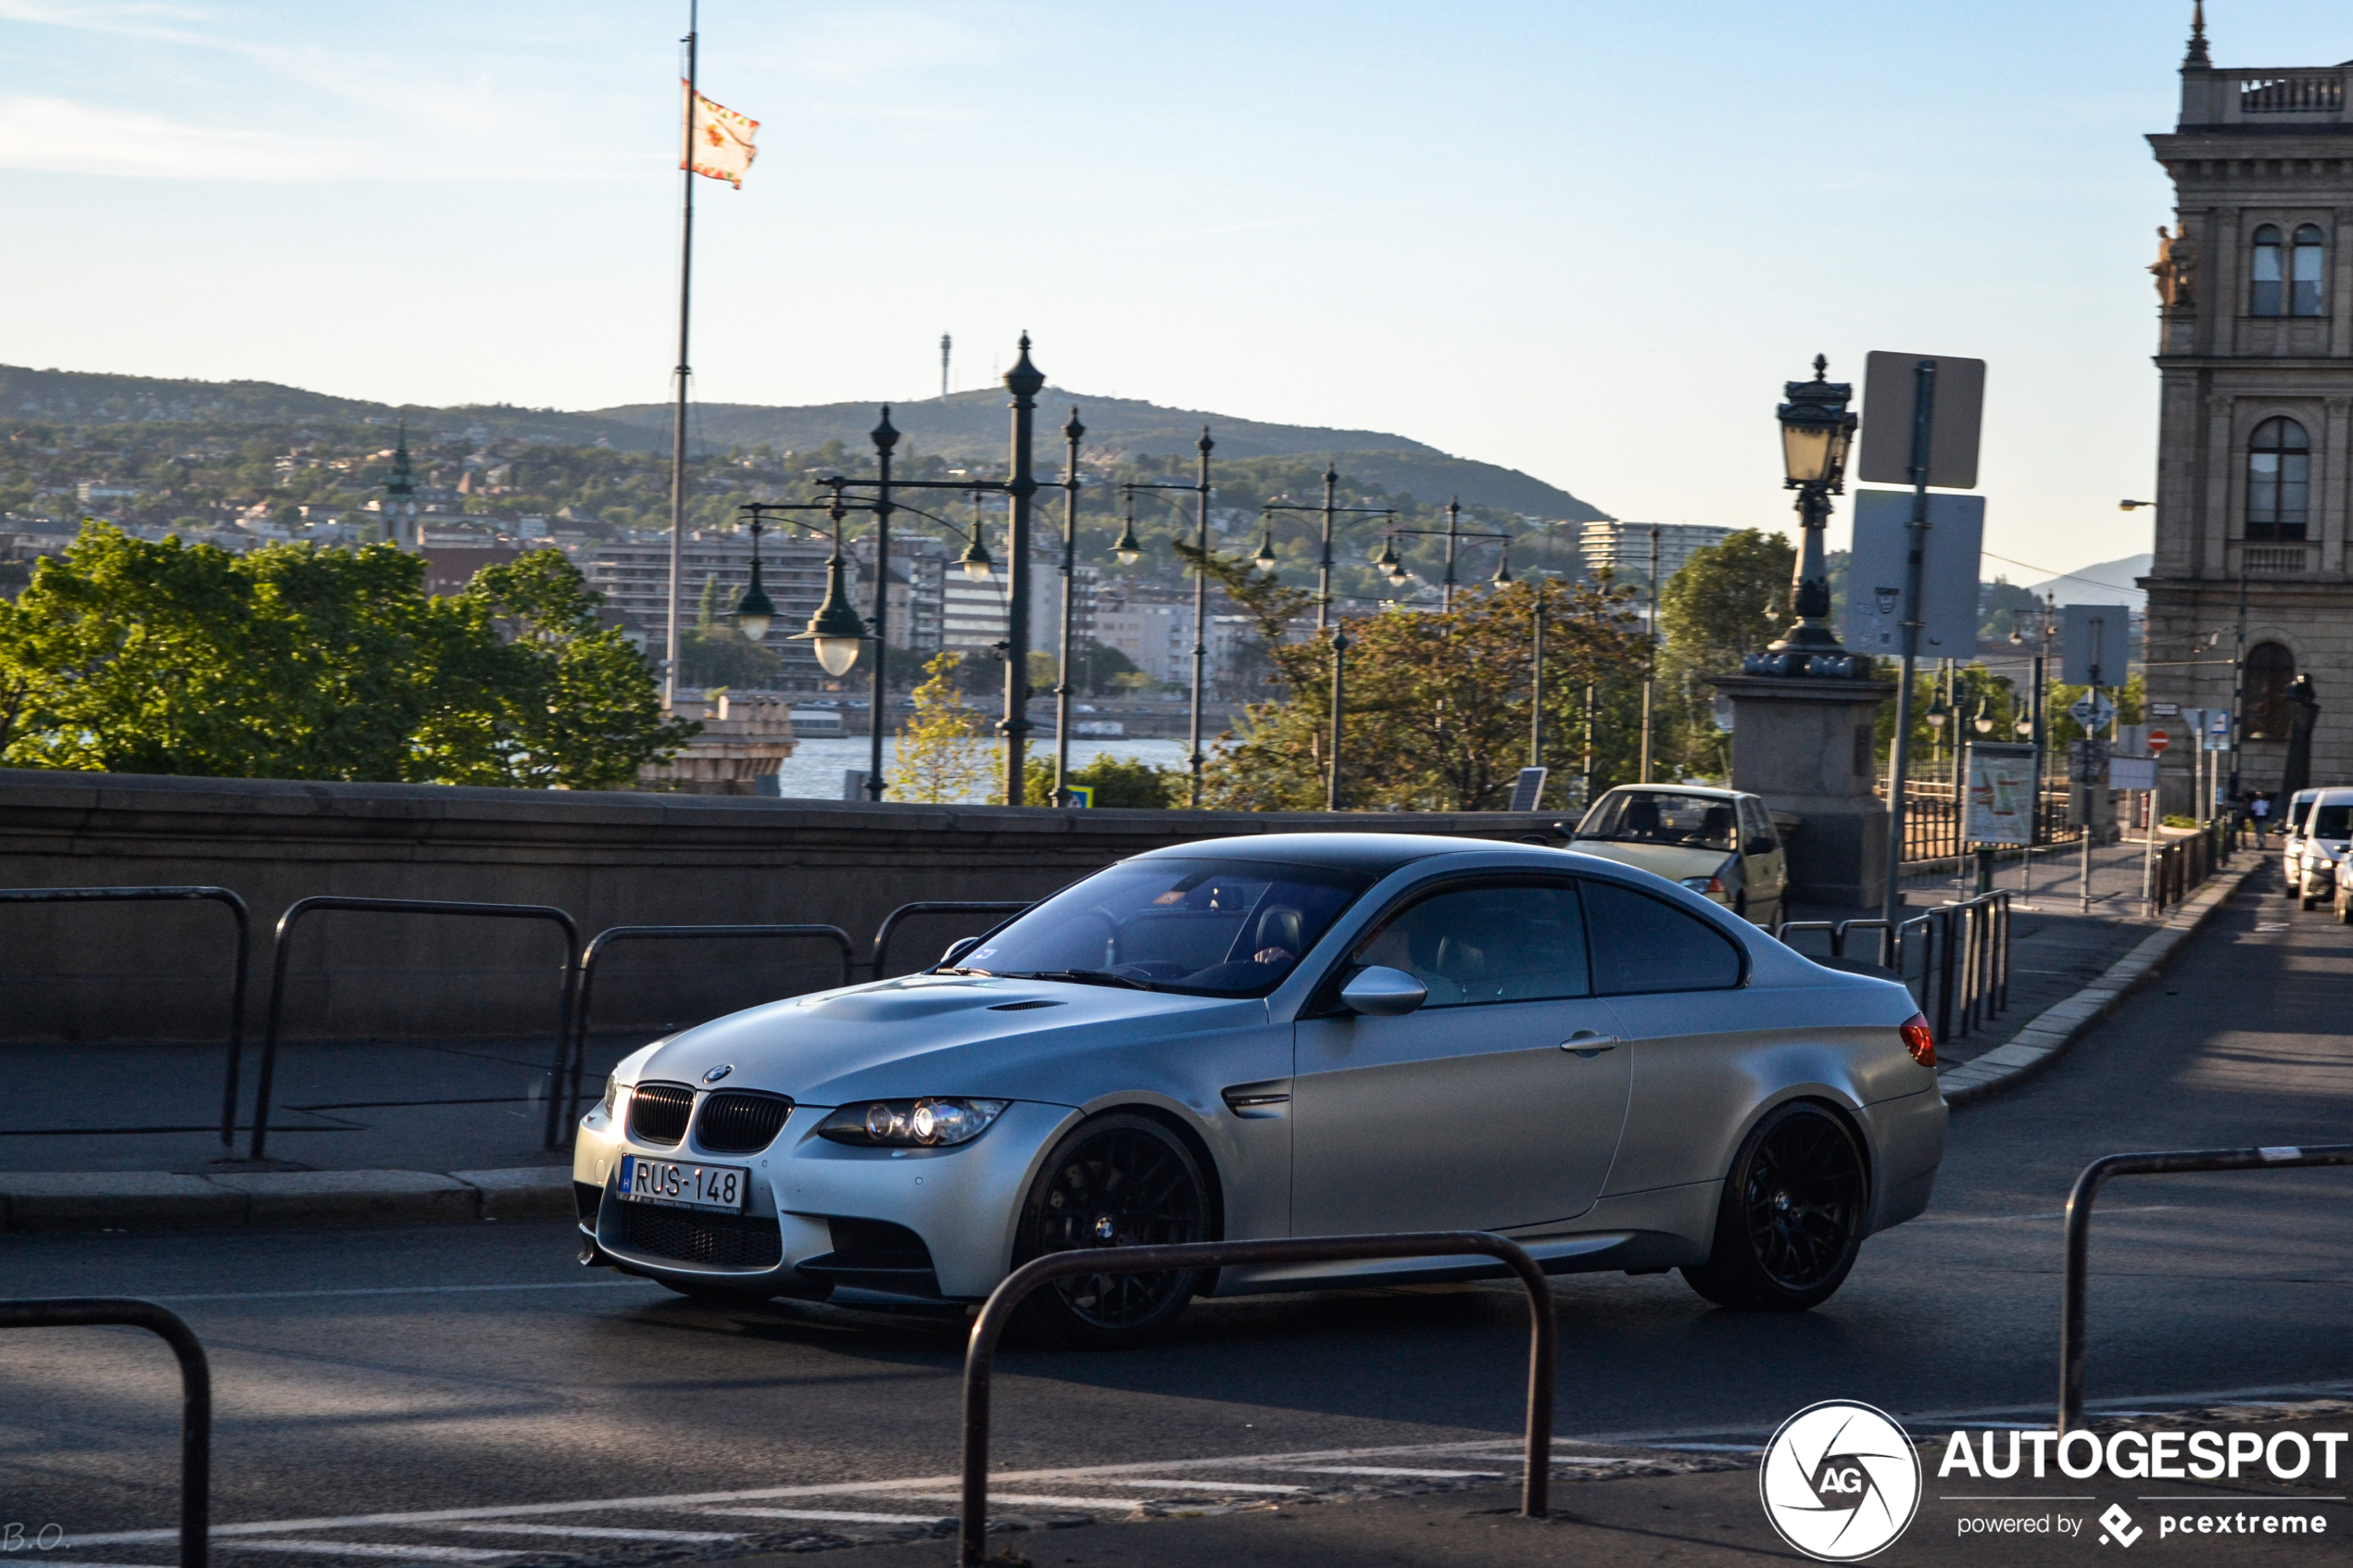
x,y
2000,808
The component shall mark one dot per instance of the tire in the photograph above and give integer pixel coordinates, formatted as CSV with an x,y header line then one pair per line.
x,y
1791,1220
1120,1180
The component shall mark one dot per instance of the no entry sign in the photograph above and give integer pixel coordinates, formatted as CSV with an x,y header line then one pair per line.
x,y
2159,740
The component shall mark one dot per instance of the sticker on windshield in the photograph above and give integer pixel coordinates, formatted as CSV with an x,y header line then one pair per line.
x,y
982,953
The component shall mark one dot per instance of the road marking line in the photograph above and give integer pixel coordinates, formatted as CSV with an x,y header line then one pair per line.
x,y
1203,1485
828,1513
598,1532
370,1549
405,1290
1386,1470
1033,1499
1500,1450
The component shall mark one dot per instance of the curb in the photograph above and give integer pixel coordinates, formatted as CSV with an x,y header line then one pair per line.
x,y
2051,1035
154,1200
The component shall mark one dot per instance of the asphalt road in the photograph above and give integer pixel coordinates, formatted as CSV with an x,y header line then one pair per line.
x,y
478,1369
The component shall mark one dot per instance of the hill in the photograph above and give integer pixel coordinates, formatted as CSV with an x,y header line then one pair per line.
x,y
969,426
2107,582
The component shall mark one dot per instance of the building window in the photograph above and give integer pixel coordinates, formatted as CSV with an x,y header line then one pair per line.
x,y
2304,276
2279,481
2269,668
2266,300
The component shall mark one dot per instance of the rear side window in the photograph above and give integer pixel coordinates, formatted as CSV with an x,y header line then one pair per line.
x,y
1642,944
1754,822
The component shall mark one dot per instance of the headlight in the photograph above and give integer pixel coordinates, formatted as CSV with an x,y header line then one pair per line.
x,y
1713,885
911,1123
613,1092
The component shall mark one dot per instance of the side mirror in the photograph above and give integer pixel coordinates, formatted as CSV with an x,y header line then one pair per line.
x,y
957,949
1378,991
1760,844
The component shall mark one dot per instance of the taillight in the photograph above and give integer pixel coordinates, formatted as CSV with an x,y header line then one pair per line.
x,y
1918,1041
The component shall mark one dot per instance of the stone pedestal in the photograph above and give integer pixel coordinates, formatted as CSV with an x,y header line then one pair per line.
x,y
1810,747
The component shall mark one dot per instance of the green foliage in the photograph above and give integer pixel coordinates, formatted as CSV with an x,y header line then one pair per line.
x,y
1438,702
942,755
295,663
1116,781
1728,600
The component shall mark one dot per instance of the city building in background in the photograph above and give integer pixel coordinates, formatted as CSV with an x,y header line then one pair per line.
x,y
635,579
1623,549
2255,425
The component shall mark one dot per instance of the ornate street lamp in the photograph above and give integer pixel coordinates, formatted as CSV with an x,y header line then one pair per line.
x,y
975,561
1816,428
1128,547
756,610
837,629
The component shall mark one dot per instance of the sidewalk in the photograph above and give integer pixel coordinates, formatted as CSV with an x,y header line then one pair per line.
x,y
2057,948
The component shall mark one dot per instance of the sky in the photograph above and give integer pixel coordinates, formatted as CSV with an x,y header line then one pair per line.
x,y
1587,241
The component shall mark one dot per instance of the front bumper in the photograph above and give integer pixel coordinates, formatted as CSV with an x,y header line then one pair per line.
x,y
827,1219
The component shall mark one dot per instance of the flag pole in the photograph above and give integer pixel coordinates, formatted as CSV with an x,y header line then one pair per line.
x,y
678,424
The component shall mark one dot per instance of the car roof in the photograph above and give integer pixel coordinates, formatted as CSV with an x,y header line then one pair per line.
x,y
1710,791
1379,853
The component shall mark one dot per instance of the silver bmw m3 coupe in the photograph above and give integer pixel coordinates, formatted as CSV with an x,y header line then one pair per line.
x,y
1292,1035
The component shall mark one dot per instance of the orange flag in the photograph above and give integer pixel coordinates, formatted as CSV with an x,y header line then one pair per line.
x,y
721,139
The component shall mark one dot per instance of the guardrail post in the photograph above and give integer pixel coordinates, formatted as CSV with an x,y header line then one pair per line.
x,y
301,907
981,1353
195,1392
236,908
2077,1246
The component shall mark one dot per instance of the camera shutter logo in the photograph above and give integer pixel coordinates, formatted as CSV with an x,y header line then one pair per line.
x,y
1840,1481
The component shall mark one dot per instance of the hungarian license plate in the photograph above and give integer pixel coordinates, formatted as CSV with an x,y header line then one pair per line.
x,y
682,1184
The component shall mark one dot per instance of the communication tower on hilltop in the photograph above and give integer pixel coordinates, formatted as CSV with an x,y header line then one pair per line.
x,y
945,344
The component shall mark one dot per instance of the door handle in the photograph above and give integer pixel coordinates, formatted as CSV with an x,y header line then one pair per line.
x,y
1589,1044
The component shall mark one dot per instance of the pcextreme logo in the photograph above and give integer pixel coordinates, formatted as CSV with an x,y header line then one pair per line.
x,y
1840,1481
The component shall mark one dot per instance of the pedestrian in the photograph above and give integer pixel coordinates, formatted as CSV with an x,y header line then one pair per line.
x,y
2259,809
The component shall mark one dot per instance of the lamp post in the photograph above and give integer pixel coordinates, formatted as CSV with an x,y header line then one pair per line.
x,y
1325,620
837,629
1022,381
1072,432
755,611
1816,428
1128,547
1650,658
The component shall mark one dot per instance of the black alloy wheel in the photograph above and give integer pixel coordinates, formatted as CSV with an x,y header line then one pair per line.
x,y
1120,1180
1792,1217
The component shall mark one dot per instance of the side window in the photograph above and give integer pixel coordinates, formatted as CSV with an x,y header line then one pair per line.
x,y
1644,944
1494,943
1755,824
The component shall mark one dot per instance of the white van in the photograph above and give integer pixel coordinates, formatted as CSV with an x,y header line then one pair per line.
x,y
2326,834
2291,826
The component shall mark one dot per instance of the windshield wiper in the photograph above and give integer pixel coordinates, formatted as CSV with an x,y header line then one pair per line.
x,y
988,971
1086,977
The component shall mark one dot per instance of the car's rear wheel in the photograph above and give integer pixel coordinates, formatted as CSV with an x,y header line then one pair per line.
x,y
1791,1220
1120,1180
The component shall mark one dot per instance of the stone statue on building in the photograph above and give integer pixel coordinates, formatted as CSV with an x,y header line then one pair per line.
x,y
2175,268
2304,713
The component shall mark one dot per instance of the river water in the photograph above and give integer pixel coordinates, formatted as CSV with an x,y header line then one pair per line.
x,y
814,770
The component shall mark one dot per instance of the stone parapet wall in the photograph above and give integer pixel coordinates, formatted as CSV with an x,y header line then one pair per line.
x,y
126,971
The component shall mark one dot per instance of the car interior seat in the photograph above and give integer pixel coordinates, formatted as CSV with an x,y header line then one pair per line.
x,y
1716,827
1641,820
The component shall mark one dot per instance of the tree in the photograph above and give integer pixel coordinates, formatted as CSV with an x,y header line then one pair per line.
x,y
292,662
942,755
1116,781
1438,701
1728,600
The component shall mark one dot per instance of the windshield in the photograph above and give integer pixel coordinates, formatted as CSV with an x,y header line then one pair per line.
x,y
2330,822
1209,928
1658,816
2296,810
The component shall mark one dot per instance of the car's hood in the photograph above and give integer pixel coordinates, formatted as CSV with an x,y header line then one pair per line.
x,y
932,1035
1670,860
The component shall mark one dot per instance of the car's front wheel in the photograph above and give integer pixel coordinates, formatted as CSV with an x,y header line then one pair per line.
x,y
1120,1180
1791,1220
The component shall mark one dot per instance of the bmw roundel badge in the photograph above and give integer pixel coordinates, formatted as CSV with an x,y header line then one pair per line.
x,y
718,1072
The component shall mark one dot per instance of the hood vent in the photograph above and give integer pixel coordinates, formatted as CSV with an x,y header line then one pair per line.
x,y
658,1112
741,1121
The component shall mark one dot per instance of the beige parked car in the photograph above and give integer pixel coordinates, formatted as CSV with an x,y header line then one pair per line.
x,y
1719,842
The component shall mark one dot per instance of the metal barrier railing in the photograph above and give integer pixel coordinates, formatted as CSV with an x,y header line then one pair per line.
x,y
1963,953
892,921
2078,1233
980,1358
195,1391
301,907
605,938
236,908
